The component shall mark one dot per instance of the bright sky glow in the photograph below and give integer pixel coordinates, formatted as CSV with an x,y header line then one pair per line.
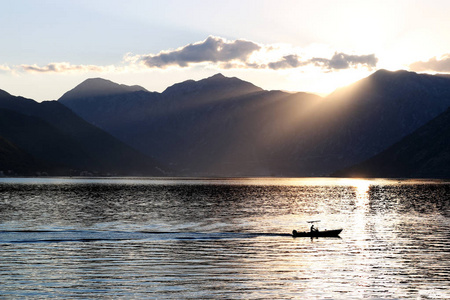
x,y
48,47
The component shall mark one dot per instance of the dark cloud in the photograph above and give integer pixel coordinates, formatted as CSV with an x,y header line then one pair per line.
x,y
213,49
34,68
337,62
287,62
433,64
345,61
62,68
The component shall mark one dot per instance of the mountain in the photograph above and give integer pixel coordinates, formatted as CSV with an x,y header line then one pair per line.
x,y
42,141
370,115
423,154
94,87
62,142
217,126
222,126
213,88
116,103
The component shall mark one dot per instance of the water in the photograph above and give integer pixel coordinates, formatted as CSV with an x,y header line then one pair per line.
x,y
223,239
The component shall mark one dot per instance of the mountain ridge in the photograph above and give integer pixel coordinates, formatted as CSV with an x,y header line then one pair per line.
x,y
94,87
217,82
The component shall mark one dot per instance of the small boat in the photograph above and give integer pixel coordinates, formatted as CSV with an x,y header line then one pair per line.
x,y
318,233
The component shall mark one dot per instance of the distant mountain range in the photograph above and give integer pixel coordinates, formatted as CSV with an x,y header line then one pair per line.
x,y
217,126
222,126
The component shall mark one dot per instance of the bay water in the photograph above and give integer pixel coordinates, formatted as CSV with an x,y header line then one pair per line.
x,y
140,238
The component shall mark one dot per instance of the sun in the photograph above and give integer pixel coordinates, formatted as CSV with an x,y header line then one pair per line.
x,y
324,83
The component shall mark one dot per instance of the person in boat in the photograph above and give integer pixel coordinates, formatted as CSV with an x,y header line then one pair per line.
x,y
314,229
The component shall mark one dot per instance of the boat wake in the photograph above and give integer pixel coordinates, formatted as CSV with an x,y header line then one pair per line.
x,y
59,236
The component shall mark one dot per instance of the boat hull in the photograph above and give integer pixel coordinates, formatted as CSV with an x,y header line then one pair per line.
x,y
323,233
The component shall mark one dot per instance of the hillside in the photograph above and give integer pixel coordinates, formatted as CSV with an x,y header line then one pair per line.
x,y
423,154
14,160
65,143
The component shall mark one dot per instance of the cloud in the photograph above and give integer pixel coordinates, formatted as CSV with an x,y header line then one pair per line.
x,y
241,54
219,53
65,67
213,49
337,62
433,64
5,68
345,61
287,62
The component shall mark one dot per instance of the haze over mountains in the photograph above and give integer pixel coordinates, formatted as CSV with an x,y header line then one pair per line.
x,y
222,126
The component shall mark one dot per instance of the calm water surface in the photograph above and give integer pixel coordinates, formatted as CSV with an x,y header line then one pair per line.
x,y
223,239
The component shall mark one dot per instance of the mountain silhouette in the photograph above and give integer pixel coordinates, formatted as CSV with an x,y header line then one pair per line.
x,y
213,88
94,87
61,141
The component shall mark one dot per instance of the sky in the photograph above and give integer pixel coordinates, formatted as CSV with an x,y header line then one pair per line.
x,y
48,47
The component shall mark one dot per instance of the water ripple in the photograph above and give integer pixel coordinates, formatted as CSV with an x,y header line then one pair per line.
x,y
219,240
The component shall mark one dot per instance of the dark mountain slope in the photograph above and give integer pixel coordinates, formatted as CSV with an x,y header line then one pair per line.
x,y
423,154
13,159
52,133
43,141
